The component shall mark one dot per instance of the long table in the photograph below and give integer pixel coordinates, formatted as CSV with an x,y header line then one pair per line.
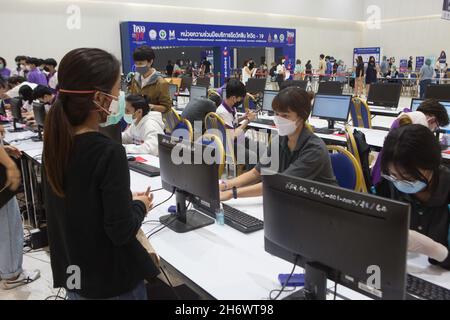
x,y
219,262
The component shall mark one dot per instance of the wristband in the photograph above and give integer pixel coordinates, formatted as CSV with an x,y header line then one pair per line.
x,y
235,193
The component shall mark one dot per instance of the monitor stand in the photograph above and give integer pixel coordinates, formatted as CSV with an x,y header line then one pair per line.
x,y
15,129
185,220
316,277
330,130
39,136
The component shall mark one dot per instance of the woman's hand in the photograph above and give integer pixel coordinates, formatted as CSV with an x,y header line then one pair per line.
x,y
146,198
13,152
226,195
13,178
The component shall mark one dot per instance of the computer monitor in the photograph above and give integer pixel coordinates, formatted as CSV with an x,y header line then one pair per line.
x,y
2,108
358,240
385,95
302,84
113,132
198,92
415,104
268,99
204,82
16,111
255,86
39,116
186,172
330,88
332,108
438,91
173,89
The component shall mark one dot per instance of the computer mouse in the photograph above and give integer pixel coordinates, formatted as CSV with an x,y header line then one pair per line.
x,y
131,159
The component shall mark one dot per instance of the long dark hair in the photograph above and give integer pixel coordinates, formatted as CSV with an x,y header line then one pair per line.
x,y
411,148
81,70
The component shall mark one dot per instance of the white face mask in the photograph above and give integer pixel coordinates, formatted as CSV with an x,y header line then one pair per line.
x,y
285,127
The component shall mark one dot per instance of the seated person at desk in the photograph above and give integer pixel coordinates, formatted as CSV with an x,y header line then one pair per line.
x,y
301,153
411,163
430,114
44,95
14,85
141,137
197,109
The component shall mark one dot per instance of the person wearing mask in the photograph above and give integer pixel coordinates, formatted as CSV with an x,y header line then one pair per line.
x,y
426,75
197,109
20,70
5,73
340,72
322,67
359,86
169,68
430,114
410,64
393,74
12,274
384,68
411,165
34,73
248,71
93,218
150,83
281,71
298,70
50,65
371,73
309,70
44,95
273,71
141,137
301,153
205,67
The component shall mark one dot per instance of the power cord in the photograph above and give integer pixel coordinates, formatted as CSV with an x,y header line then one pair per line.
x,y
285,284
57,296
167,224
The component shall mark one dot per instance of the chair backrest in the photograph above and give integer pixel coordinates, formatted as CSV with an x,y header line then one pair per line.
x,y
249,103
171,119
360,113
186,83
351,143
215,142
183,131
214,124
346,168
357,145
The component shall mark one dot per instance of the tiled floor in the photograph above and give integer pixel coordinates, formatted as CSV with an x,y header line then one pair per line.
x,y
41,288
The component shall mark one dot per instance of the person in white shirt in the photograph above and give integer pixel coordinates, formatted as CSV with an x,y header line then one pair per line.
x,y
248,71
52,76
141,137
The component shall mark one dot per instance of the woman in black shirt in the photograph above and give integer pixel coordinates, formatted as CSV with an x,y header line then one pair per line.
x,y
359,86
92,217
371,74
411,167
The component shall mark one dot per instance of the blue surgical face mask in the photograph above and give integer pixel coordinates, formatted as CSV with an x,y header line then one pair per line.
x,y
142,70
116,110
128,118
407,187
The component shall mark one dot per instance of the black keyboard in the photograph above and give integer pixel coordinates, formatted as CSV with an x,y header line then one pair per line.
x,y
241,221
266,122
324,131
417,288
144,169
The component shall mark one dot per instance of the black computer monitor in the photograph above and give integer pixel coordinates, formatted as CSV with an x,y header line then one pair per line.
x,y
198,92
415,104
331,88
332,108
302,84
203,82
16,111
385,95
173,89
113,132
268,99
438,91
192,179
39,116
255,86
337,234
186,83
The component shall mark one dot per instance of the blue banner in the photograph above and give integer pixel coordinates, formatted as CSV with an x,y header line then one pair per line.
x,y
366,53
420,61
222,38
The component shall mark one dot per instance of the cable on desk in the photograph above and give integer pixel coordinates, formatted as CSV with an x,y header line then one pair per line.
x,y
174,218
171,196
57,296
285,284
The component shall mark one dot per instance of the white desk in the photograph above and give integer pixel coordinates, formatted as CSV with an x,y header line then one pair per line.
x,y
229,264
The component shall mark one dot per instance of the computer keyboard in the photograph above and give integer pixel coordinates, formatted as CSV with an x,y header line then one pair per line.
x,y
144,169
324,131
267,122
417,288
241,221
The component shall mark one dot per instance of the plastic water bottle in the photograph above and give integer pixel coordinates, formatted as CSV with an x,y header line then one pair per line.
x,y
220,216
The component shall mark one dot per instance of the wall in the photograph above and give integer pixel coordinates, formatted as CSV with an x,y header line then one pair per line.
x,y
409,28
38,28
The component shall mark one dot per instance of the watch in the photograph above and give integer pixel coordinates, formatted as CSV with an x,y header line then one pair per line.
x,y
235,193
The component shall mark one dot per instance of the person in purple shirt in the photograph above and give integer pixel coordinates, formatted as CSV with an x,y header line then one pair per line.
x,y
35,75
435,117
5,73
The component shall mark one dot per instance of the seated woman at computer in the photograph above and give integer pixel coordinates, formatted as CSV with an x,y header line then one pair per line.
x,y
141,137
411,163
430,114
301,153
